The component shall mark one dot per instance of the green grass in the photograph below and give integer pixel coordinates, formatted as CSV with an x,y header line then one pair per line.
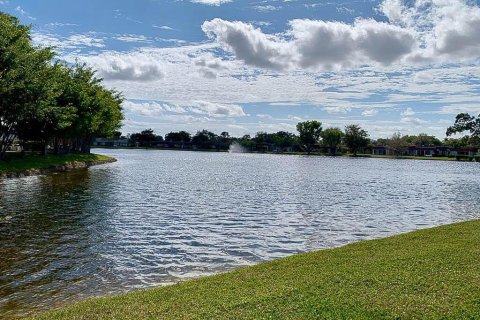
x,y
18,164
427,274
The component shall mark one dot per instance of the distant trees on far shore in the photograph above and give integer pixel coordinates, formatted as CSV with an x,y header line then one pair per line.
x,y
311,137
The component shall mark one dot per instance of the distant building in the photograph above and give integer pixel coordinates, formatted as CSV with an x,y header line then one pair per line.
x,y
383,151
103,142
416,151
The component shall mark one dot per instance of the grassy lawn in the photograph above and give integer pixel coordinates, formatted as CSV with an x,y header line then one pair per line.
x,y
17,164
427,274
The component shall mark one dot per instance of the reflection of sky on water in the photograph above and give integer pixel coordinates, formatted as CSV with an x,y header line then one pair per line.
x,y
157,217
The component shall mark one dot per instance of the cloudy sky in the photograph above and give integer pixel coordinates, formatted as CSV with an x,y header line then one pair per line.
x,y
245,66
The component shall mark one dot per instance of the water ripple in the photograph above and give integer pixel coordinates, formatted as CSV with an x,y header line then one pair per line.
x,y
157,217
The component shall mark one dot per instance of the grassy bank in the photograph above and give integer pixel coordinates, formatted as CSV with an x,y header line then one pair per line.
x,y
14,163
427,274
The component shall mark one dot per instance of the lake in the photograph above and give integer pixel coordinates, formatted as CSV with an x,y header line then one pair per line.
x,y
158,217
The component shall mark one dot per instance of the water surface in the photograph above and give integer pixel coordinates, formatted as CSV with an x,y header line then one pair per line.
x,y
156,217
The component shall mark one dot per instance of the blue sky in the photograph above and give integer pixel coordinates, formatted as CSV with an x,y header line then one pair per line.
x,y
248,66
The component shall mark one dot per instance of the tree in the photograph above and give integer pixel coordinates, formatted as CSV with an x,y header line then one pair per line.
x,y
396,143
309,133
145,138
283,139
205,139
48,120
465,122
355,138
50,103
23,78
181,136
332,137
99,112
247,142
117,135
422,140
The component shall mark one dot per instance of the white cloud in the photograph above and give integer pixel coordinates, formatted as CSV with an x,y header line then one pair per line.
x,y
266,8
370,112
428,31
413,121
249,44
74,41
126,67
85,40
447,29
408,112
315,45
133,38
461,108
163,27
211,2
217,109
337,109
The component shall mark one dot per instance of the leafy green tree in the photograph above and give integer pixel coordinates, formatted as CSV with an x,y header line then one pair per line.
x,y
99,112
205,139
117,135
309,133
50,103
23,76
457,142
225,135
332,137
355,138
247,142
263,137
422,140
465,122
396,143
145,138
47,122
181,136
283,139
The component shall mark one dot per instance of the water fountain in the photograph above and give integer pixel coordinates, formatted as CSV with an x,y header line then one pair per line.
x,y
236,147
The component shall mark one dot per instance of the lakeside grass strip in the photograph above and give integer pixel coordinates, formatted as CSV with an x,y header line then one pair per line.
x,y
31,162
426,274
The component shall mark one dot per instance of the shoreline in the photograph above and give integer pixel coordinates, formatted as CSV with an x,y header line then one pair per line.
x,y
40,165
427,273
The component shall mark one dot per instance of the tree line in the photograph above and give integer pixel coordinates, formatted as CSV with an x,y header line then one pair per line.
x,y
310,136
46,103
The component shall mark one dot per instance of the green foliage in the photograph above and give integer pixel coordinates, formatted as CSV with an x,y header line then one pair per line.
x,y
396,143
355,138
309,133
145,138
205,139
23,70
181,136
465,122
422,140
426,274
332,137
49,102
